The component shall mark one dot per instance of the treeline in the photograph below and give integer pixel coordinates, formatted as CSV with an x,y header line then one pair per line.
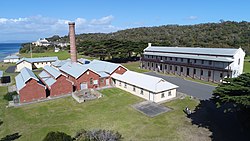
x,y
131,42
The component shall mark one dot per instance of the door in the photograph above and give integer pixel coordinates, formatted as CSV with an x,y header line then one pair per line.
x,y
107,82
151,96
188,71
84,86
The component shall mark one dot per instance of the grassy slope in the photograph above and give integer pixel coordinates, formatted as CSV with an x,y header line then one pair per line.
x,y
113,111
247,66
62,55
134,66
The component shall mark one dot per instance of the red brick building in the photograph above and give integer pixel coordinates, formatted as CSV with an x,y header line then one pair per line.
x,y
29,87
56,82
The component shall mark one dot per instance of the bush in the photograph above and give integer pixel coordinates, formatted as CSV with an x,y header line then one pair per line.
x,y
11,137
97,135
9,96
57,136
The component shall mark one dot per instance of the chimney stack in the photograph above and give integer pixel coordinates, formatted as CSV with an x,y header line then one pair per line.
x,y
149,44
72,42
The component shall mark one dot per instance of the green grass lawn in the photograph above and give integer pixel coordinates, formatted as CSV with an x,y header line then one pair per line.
x,y
134,66
62,55
247,66
113,112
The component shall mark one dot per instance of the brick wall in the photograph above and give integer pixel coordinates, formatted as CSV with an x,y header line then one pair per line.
x,y
119,70
32,91
61,86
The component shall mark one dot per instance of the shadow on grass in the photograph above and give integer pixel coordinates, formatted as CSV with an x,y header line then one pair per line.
x,y
229,126
11,137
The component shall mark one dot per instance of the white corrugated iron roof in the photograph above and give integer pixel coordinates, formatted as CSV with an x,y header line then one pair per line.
x,y
47,78
147,82
12,57
52,71
24,75
40,59
100,66
193,50
201,57
74,69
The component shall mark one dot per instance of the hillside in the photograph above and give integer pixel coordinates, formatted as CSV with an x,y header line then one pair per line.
x,y
131,42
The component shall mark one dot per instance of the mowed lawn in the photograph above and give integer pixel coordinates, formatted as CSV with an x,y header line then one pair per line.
x,y
113,112
134,66
62,55
247,66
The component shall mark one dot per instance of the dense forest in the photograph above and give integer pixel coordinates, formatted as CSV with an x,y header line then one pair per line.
x,y
131,42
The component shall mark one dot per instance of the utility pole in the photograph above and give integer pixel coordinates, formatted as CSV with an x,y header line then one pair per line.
x,y
30,51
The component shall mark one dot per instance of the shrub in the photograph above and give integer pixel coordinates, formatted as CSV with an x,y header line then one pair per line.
x,y
11,137
9,96
97,135
57,136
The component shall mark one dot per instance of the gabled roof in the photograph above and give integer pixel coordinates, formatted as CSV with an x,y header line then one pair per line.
x,y
103,66
12,57
59,63
73,69
40,59
193,50
147,82
24,76
52,71
47,78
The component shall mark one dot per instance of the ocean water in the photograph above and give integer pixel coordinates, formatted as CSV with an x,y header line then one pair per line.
x,y
8,48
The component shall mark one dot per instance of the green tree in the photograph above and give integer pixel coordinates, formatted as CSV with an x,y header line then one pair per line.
x,y
235,91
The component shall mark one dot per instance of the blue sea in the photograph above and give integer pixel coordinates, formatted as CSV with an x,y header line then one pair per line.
x,y
8,48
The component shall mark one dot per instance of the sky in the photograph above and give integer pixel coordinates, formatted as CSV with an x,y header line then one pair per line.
x,y
28,20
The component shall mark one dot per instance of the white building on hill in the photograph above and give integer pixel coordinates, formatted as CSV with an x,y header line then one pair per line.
x,y
208,64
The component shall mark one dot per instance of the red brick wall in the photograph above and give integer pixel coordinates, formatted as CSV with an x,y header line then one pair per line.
x,y
32,91
102,84
120,70
61,86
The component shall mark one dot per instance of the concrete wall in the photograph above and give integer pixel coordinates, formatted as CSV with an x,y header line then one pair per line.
x,y
32,91
143,93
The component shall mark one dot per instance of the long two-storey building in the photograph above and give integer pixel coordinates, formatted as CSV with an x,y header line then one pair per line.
x,y
208,64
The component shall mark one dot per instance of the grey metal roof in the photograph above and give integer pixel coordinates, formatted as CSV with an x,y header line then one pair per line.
x,y
100,66
194,50
201,57
12,57
74,69
47,78
24,75
1,73
147,82
40,59
52,71
103,74
59,63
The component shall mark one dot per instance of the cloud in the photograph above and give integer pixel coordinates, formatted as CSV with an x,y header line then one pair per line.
x,y
39,26
192,17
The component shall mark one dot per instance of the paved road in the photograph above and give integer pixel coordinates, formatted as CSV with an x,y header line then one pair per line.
x,y
198,90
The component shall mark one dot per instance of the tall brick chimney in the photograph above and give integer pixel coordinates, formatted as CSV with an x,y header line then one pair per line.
x,y
72,39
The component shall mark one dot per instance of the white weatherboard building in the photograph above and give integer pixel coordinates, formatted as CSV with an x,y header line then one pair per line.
x,y
208,64
145,86
34,63
11,59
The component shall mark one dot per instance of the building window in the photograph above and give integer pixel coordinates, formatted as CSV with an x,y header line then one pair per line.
x,y
209,73
170,58
125,85
141,91
181,59
148,64
91,81
169,93
194,60
102,80
181,69
202,61
175,68
120,83
161,57
170,67
210,62
221,75
194,71
166,67
134,88
239,62
201,72
152,65
176,59
162,95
